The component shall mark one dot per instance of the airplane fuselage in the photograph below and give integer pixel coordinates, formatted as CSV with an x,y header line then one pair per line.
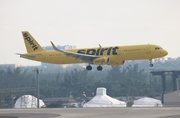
x,y
113,55
116,54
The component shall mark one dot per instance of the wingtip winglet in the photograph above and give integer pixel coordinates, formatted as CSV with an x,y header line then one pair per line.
x,y
53,45
55,48
100,46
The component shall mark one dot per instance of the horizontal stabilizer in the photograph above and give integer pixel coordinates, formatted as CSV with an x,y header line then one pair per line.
x,y
27,55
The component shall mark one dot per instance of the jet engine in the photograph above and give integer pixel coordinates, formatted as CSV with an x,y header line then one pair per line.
x,y
117,63
101,61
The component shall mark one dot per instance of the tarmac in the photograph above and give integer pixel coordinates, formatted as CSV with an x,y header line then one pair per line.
x,y
156,112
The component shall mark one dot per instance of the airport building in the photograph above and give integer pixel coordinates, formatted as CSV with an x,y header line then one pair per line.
x,y
171,98
61,47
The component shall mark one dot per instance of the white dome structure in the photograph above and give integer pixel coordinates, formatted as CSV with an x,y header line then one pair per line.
x,y
103,100
28,101
147,102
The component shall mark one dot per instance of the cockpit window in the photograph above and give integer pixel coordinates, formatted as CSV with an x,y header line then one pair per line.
x,y
158,48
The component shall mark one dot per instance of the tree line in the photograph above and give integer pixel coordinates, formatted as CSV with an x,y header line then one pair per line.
x,y
127,80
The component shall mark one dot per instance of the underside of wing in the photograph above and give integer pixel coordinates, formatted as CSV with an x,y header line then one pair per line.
x,y
85,58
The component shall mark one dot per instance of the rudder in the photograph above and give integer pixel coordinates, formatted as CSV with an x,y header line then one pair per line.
x,y
31,44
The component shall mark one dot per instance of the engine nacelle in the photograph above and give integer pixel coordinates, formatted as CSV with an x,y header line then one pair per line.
x,y
117,63
101,61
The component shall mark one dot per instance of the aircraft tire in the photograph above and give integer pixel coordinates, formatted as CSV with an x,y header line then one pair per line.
x,y
151,65
89,67
99,68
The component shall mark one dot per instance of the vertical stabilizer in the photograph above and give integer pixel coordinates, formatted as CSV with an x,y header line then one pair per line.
x,y
31,44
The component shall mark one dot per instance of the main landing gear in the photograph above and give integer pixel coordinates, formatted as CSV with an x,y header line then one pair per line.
x,y
99,68
89,67
151,64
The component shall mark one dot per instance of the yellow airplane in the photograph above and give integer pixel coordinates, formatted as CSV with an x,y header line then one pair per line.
x,y
113,55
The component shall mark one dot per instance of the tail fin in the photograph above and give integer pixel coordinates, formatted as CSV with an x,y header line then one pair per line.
x,y
31,44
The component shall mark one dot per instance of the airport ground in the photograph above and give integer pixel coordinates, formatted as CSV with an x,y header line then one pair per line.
x,y
159,112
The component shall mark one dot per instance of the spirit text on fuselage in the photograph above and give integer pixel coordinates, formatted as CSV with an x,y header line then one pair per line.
x,y
99,51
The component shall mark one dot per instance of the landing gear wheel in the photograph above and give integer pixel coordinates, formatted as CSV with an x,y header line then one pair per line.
x,y
151,65
99,68
89,67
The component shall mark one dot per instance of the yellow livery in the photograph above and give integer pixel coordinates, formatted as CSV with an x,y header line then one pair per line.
x,y
113,55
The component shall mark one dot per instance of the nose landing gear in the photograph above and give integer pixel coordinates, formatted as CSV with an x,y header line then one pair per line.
x,y
151,64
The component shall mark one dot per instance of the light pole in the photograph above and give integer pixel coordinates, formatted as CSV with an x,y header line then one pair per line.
x,y
37,73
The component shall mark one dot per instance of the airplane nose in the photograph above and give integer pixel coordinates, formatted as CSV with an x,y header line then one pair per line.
x,y
165,52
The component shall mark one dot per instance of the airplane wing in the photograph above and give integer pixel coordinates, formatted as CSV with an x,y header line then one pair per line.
x,y
85,58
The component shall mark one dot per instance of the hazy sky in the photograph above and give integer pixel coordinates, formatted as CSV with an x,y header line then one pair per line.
x,y
87,23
